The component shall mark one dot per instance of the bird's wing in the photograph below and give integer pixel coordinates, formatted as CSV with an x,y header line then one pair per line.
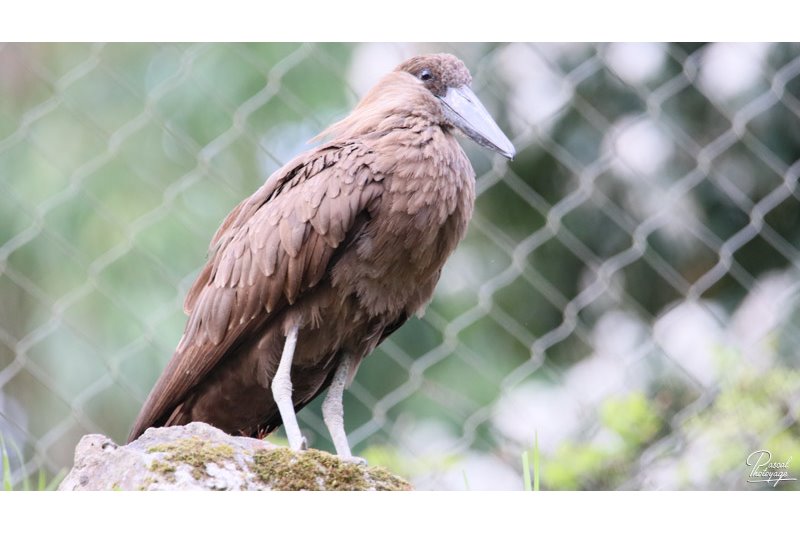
x,y
270,249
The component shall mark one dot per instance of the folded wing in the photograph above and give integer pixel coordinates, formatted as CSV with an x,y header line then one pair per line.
x,y
269,251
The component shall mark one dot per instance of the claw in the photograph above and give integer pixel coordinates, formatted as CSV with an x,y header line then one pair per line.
x,y
360,461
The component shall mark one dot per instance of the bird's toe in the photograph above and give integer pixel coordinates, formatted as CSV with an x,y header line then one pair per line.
x,y
360,461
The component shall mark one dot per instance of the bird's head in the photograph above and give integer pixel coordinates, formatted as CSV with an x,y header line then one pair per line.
x,y
434,86
448,80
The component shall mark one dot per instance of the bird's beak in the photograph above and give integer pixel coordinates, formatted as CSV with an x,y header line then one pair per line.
x,y
464,110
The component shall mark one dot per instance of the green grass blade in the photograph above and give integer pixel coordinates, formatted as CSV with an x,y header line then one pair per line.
x,y
536,461
26,483
53,485
466,482
6,466
526,471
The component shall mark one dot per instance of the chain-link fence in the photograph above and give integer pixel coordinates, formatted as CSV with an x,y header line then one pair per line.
x,y
627,292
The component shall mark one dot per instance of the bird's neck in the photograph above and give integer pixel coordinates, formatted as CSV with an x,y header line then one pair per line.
x,y
397,102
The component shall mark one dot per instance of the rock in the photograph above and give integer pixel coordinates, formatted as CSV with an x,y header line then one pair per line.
x,y
200,457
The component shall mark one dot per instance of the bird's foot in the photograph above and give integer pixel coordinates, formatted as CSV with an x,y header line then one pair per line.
x,y
360,461
298,444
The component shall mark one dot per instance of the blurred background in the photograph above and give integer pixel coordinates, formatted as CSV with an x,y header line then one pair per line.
x,y
627,294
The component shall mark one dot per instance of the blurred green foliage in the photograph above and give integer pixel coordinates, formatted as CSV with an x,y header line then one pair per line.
x,y
632,420
752,411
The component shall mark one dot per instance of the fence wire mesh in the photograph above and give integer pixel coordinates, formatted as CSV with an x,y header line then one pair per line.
x,y
627,292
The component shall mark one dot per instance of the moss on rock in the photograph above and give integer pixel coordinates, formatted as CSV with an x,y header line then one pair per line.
x,y
193,451
283,469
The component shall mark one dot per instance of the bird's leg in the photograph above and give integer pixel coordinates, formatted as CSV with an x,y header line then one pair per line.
x,y
333,411
282,392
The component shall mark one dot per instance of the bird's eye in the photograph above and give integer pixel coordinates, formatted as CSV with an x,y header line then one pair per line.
x,y
425,75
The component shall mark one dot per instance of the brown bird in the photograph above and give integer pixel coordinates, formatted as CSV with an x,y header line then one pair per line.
x,y
330,256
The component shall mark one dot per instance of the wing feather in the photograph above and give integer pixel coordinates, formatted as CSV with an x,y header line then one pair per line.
x,y
271,248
